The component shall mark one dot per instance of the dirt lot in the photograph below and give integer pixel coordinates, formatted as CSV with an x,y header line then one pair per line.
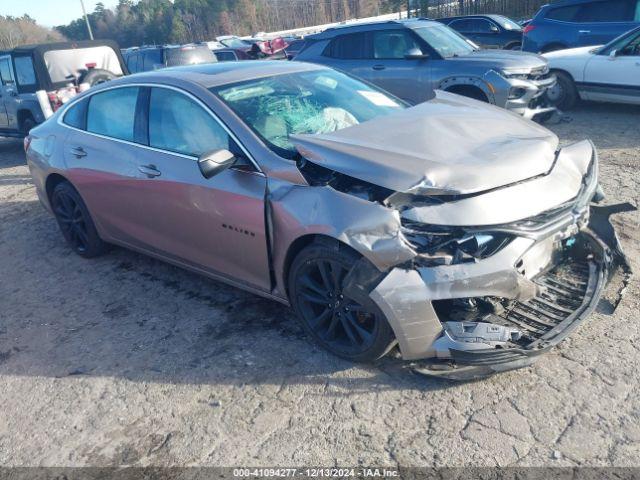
x,y
124,360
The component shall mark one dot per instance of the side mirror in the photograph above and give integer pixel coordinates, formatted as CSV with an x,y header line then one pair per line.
x,y
213,162
613,54
415,54
494,29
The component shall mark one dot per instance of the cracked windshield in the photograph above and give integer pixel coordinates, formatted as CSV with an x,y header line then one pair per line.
x,y
310,102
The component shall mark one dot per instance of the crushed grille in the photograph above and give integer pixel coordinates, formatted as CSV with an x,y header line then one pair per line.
x,y
563,290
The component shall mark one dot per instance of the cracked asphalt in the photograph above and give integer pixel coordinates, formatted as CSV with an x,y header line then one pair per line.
x,y
124,360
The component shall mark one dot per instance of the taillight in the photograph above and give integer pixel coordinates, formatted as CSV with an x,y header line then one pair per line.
x,y
528,28
27,143
90,65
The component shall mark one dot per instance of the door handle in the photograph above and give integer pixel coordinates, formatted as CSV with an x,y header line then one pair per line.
x,y
584,31
150,171
379,67
78,152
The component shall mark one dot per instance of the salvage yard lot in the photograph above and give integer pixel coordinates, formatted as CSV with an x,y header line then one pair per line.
x,y
124,360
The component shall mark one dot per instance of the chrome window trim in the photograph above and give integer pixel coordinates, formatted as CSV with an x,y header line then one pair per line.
x,y
74,101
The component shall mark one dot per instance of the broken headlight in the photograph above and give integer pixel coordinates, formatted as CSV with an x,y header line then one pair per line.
x,y
439,245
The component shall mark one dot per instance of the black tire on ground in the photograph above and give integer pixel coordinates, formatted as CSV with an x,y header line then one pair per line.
x,y
96,76
564,94
75,222
337,323
27,124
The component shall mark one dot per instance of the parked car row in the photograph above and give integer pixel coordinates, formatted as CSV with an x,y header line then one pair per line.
x,y
466,55
413,58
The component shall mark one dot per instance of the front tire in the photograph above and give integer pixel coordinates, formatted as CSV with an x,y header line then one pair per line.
x,y
75,222
341,325
564,94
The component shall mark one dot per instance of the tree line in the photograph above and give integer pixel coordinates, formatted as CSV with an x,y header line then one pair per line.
x,y
181,21
144,22
23,30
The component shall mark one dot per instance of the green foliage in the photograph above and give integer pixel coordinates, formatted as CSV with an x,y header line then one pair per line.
x,y
140,22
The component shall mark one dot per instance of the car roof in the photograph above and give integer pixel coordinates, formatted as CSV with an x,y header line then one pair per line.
x,y
216,74
480,15
563,3
368,26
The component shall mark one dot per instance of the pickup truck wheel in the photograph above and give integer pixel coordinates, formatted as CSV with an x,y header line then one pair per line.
x,y
341,325
27,125
75,222
563,94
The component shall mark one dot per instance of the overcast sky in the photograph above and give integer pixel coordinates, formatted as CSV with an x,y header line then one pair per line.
x,y
50,12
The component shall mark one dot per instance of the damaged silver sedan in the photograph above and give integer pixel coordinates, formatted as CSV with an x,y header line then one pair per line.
x,y
453,229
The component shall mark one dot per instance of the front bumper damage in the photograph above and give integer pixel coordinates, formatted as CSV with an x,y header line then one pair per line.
x,y
482,263
524,96
471,320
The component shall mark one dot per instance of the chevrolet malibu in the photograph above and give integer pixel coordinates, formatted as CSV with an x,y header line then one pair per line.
x,y
454,230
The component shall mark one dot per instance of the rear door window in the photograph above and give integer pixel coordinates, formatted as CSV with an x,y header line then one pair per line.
x,y
25,74
132,62
351,46
112,113
152,59
189,55
5,71
393,44
179,124
225,56
480,25
607,11
463,26
76,116
563,14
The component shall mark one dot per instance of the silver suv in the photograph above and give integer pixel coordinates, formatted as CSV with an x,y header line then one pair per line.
x,y
412,58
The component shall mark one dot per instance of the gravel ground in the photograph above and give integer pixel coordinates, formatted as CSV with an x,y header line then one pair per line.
x,y
124,360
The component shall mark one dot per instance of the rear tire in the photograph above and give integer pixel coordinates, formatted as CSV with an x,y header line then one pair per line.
x,y
75,222
564,94
339,324
27,124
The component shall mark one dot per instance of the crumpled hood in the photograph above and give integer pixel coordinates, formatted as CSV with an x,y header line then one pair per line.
x,y
448,145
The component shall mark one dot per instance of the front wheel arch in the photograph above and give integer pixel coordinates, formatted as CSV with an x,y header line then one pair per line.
x,y
300,244
52,181
306,286
470,91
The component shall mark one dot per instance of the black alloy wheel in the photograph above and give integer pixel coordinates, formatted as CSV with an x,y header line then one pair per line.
x,y
75,221
338,323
